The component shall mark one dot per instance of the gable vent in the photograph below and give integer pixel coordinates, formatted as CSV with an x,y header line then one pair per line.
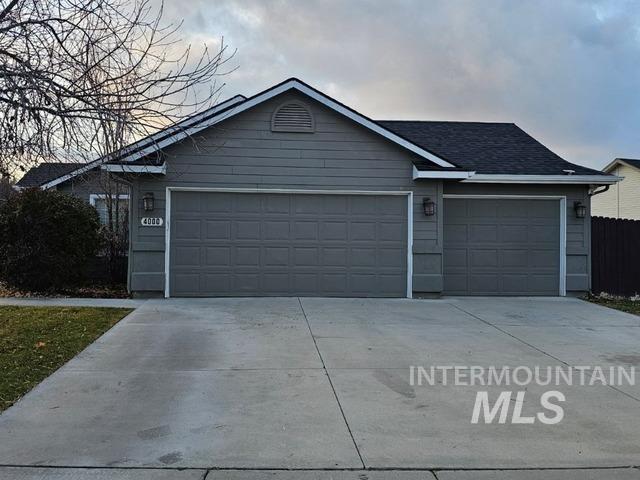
x,y
292,117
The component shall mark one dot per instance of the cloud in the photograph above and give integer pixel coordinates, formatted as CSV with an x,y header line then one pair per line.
x,y
568,72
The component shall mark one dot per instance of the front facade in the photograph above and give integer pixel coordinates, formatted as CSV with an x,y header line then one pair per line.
x,y
93,186
622,199
291,193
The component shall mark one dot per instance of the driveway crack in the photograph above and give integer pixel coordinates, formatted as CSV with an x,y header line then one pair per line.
x,y
335,394
613,387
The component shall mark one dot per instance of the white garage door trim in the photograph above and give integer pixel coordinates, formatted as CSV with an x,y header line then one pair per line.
x,y
563,225
167,216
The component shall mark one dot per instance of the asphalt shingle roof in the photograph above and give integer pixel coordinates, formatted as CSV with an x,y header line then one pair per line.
x,y
634,162
486,148
45,172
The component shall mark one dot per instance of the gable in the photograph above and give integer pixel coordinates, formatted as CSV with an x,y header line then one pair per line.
x,y
247,144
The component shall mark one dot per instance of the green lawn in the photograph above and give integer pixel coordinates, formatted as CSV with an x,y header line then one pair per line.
x,y
623,304
36,341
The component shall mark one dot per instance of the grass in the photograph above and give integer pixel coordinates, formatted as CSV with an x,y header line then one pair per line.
x,y
619,303
36,341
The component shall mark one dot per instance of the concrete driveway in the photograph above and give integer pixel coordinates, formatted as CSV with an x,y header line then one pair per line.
x,y
322,385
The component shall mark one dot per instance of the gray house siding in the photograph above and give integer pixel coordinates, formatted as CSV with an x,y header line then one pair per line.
x,y
83,185
243,152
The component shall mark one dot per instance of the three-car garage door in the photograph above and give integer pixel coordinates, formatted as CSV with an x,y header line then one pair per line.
x,y
501,246
235,244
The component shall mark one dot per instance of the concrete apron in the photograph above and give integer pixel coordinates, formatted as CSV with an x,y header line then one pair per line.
x,y
243,383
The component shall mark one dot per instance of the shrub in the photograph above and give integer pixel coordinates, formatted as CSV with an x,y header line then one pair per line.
x,y
46,239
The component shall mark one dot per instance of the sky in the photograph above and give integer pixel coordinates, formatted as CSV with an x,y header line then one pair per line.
x,y
565,71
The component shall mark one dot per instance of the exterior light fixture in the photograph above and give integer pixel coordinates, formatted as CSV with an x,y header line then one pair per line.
x,y
147,202
429,207
580,209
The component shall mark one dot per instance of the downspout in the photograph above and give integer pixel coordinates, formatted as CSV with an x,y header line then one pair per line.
x,y
593,191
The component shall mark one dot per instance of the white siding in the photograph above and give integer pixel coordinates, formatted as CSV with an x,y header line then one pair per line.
x,y
622,200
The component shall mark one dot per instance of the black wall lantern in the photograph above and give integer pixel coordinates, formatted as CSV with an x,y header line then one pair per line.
x,y
580,209
147,202
429,207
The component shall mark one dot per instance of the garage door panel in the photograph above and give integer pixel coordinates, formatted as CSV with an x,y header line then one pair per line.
x,y
306,256
305,230
333,283
483,233
288,244
456,282
218,229
514,284
362,231
391,232
514,233
218,256
248,203
335,205
391,206
247,256
275,257
391,257
454,258
513,247
481,284
216,205
219,282
484,258
487,209
188,229
515,258
455,233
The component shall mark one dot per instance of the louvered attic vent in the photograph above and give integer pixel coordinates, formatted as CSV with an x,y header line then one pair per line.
x,y
292,117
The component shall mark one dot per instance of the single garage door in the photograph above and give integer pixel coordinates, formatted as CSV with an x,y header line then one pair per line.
x,y
501,246
235,244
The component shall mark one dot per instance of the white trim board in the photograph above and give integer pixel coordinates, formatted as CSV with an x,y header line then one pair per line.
x,y
102,196
167,219
562,291
457,175
545,179
122,168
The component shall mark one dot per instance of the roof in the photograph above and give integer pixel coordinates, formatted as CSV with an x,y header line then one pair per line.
x,y
486,148
454,150
177,134
632,162
45,172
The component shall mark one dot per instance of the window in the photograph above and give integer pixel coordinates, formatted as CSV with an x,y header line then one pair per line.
x,y
99,201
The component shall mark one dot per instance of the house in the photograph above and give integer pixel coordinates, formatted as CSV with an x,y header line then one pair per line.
x,y
622,199
290,192
92,185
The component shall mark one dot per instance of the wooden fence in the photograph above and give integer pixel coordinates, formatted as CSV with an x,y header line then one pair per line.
x,y
615,256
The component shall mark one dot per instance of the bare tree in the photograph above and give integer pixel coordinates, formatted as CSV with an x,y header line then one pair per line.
x,y
83,78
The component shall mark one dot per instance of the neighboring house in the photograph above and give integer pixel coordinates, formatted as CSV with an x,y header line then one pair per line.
x,y
290,192
90,185
622,200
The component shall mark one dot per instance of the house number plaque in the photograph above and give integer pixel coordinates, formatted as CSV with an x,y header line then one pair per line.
x,y
151,221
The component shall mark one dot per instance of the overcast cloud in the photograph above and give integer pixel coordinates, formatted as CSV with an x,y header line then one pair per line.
x,y
567,72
